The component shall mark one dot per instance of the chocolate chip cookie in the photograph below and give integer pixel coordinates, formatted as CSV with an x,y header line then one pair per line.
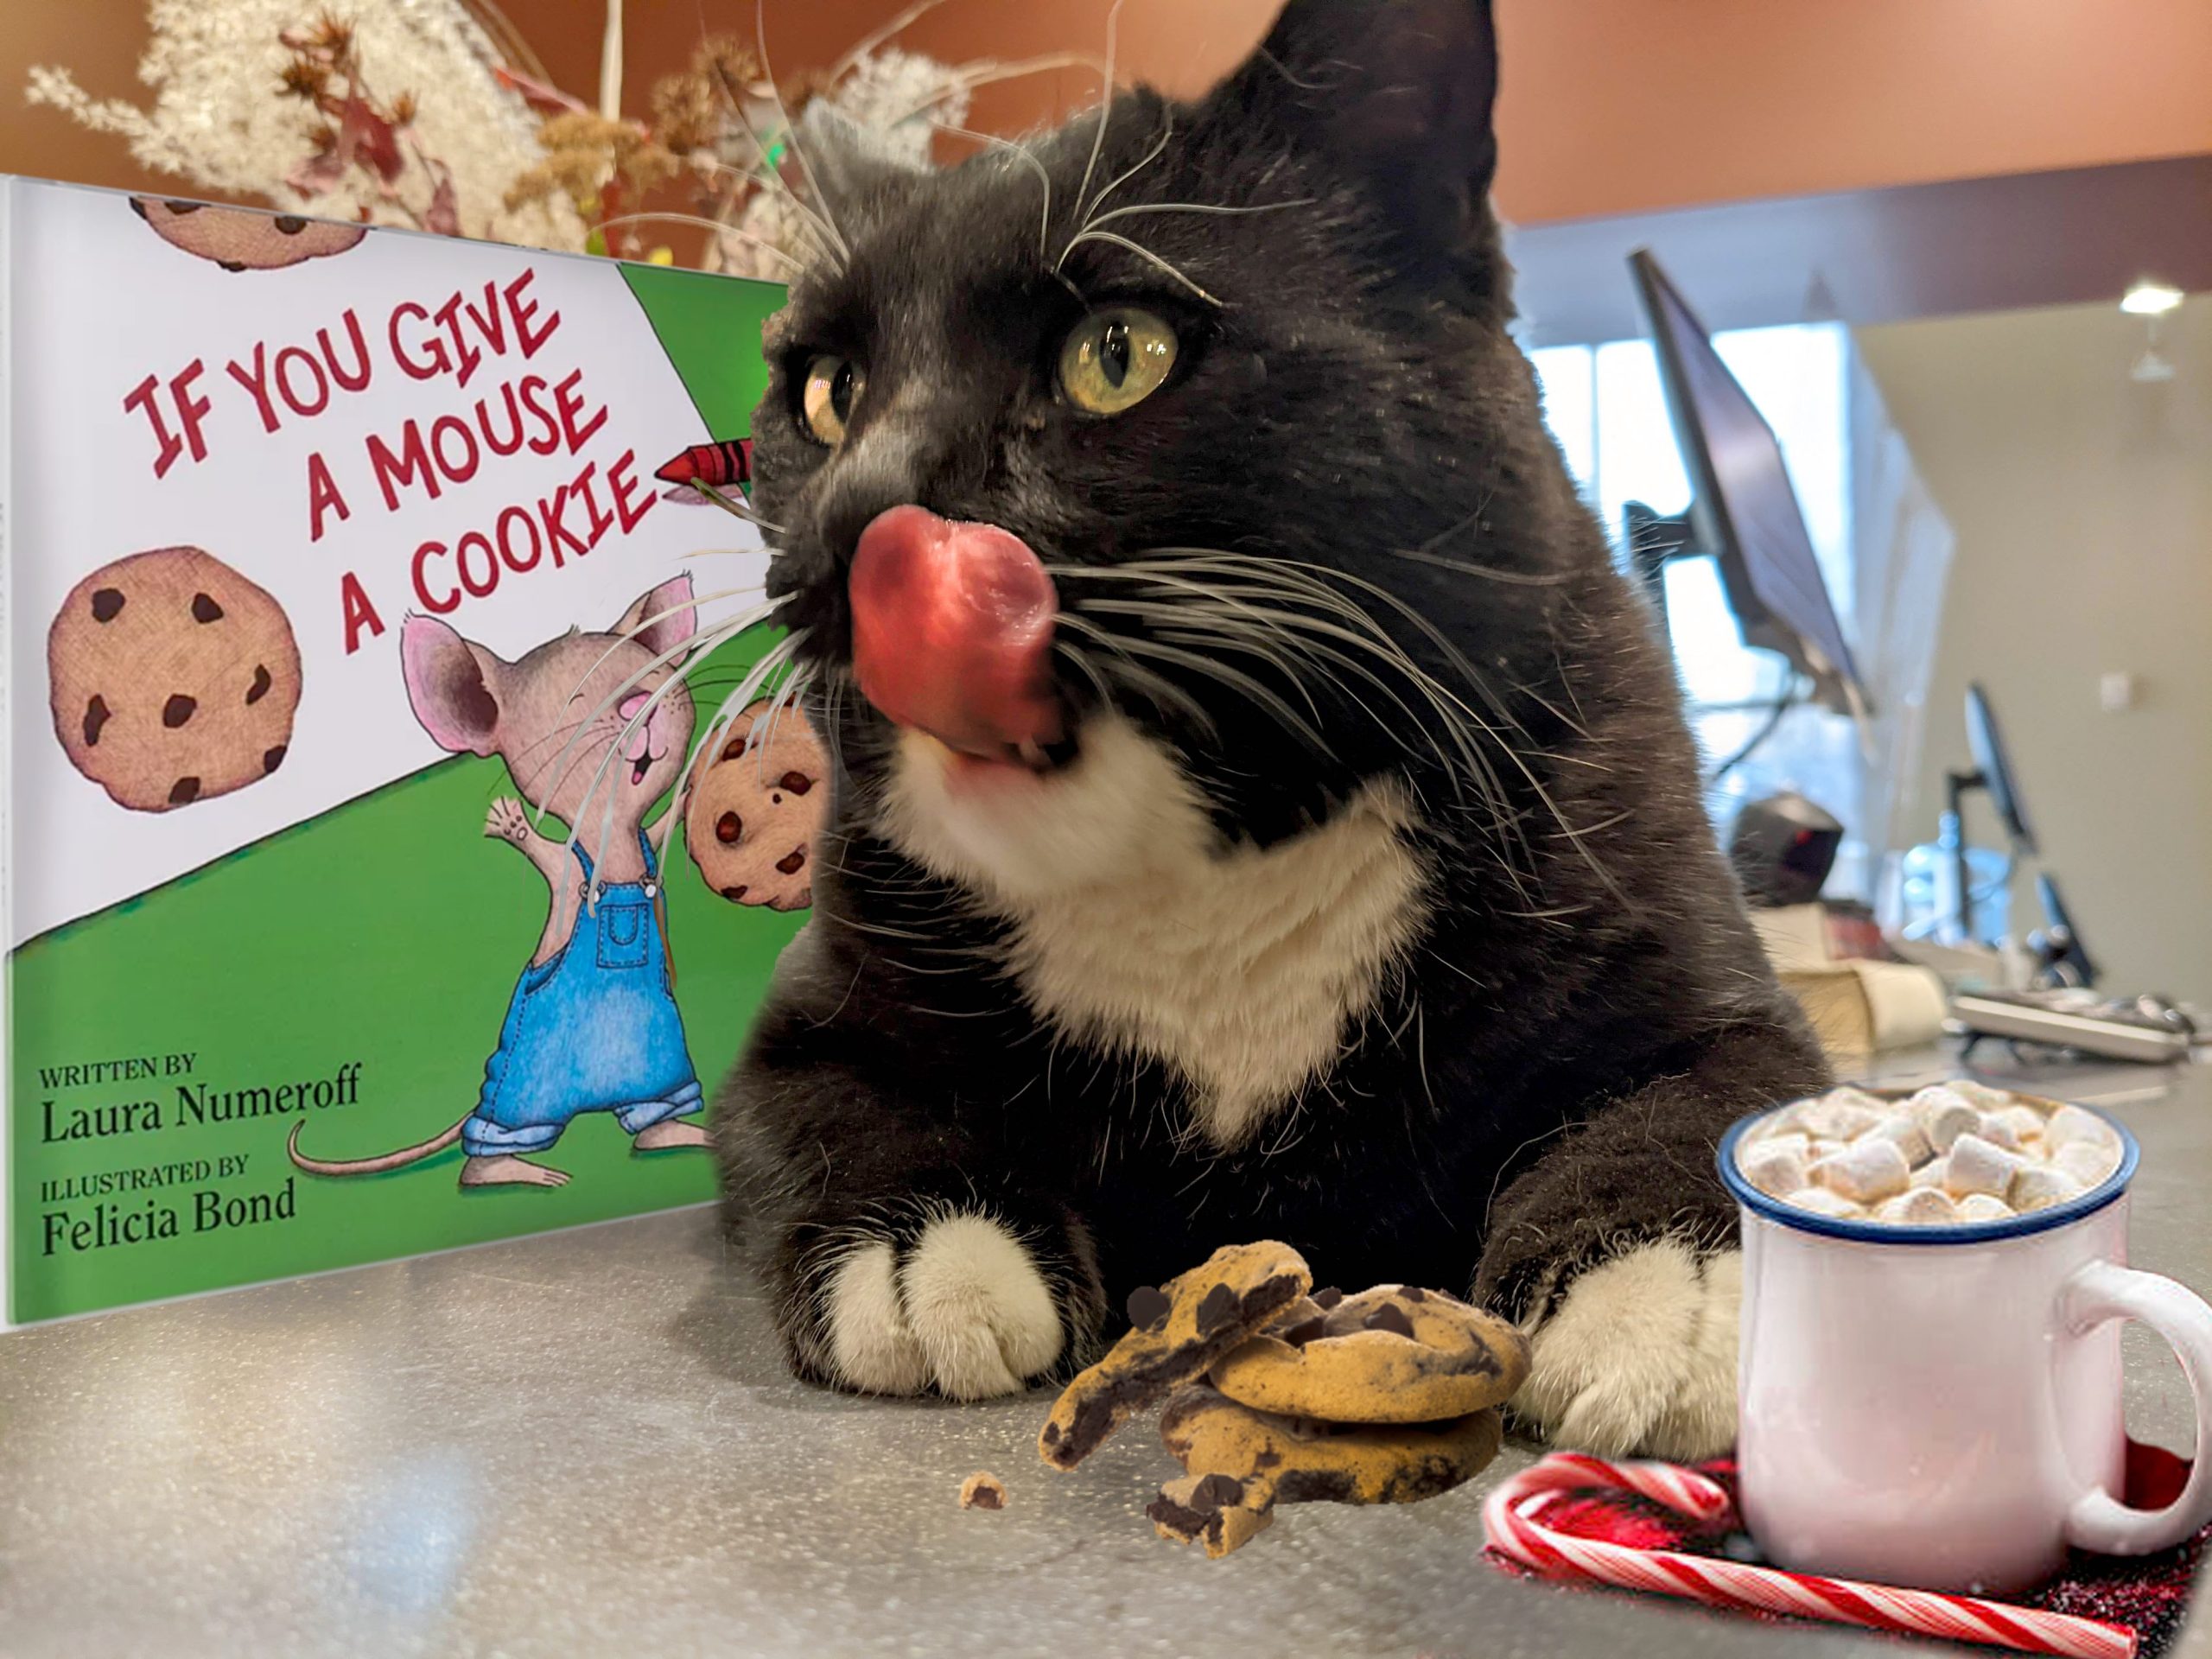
x,y
239,239
1238,1461
1394,1354
1181,1329
755,808
172,679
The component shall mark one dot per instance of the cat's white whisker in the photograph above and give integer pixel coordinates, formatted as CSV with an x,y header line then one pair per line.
x,y
702,222
1105,109
737,507
734,704
1167,134
699,644
790,130
1142,252
1135,208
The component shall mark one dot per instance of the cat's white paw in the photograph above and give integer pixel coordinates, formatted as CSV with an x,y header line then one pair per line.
x,y
871,1347
967,1312
1639,1359
979,1308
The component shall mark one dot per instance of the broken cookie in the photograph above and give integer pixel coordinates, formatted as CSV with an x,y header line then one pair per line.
x,y
983,1491
1299,1461
1394,1354
1180,1331
1219,1511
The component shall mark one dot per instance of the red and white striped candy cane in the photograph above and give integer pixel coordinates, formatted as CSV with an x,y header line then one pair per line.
x,y
1512,1520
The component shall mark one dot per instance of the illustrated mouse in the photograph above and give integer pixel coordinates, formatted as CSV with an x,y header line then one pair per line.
x,y
593,1024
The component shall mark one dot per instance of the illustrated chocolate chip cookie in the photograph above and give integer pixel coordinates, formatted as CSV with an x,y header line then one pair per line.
x,y
1394,1354
240,238
1237,1459
1181,1330
755,808
172,679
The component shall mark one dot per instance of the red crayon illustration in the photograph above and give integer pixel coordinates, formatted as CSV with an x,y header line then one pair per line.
x,y
722,464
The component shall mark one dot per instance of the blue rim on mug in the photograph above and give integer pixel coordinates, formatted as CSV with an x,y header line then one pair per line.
x,y
2106,1192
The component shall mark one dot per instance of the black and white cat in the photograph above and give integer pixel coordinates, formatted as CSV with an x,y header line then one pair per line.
x,y
1283,822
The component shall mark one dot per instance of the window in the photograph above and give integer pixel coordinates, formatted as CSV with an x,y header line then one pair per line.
x,y
1604,405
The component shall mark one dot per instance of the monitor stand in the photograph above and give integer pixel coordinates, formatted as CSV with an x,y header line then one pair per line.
x,y
1950,835
1652,542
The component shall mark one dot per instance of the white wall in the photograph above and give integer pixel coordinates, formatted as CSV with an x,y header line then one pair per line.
x,y
2083,505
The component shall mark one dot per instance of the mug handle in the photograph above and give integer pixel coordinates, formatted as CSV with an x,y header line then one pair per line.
x,y
2104,1290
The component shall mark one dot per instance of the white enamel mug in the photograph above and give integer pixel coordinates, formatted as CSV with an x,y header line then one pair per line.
x,y
1942,1406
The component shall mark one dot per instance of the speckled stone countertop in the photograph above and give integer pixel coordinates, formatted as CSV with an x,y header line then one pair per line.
x,y
585,1443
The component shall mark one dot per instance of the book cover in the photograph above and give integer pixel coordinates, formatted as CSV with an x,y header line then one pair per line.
x,y
340,585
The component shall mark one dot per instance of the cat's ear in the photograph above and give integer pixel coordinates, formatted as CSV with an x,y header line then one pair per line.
x,y
1400,91
662,618
850,162
452,684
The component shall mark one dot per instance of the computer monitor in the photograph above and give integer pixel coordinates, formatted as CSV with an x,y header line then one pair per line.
x,y
1743,510
1993,771
1993,768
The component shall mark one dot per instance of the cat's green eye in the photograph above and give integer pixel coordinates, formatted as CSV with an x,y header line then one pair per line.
x,y
1115,359
834,385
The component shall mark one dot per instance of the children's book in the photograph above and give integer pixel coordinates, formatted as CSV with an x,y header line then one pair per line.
x,y
374,881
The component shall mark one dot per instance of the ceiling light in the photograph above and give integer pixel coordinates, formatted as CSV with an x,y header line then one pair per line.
x,y
2150,299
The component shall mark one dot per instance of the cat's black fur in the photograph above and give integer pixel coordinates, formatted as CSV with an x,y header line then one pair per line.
x,y
1544,1078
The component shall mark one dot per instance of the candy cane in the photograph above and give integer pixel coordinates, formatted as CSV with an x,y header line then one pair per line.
x,y
1511,1520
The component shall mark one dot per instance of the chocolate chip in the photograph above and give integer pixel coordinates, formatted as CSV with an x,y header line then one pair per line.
x,y
735,894
1315,1486
735,747
1216,1308
1303,1332
728,828
95,715
797,782
1266,1458
1412,1294
1215,1492
107,604
259,689
182,207
178,709
183,791
205,609
1390,1317
1149,1307
1052,1434
137,206
272,759
1326,1298
1183,1523
792,862
290,224
231,264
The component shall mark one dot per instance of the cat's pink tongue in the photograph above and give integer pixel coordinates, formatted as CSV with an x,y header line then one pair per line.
x,y
952,632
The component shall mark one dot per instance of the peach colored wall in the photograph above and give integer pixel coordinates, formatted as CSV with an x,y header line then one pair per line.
x,y
1609,106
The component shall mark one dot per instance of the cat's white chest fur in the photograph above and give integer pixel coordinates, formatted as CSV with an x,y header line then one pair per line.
x,y
1134,930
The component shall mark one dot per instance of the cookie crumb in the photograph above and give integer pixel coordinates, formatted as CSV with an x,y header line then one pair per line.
x,y
983,1491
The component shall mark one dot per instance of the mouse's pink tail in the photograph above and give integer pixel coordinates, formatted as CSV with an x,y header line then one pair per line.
x,y
399,1159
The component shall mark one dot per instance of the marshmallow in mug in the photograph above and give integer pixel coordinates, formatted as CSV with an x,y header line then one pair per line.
x,y
1953,1154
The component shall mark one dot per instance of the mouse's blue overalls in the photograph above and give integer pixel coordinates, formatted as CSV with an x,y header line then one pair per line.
x,y
592,1028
